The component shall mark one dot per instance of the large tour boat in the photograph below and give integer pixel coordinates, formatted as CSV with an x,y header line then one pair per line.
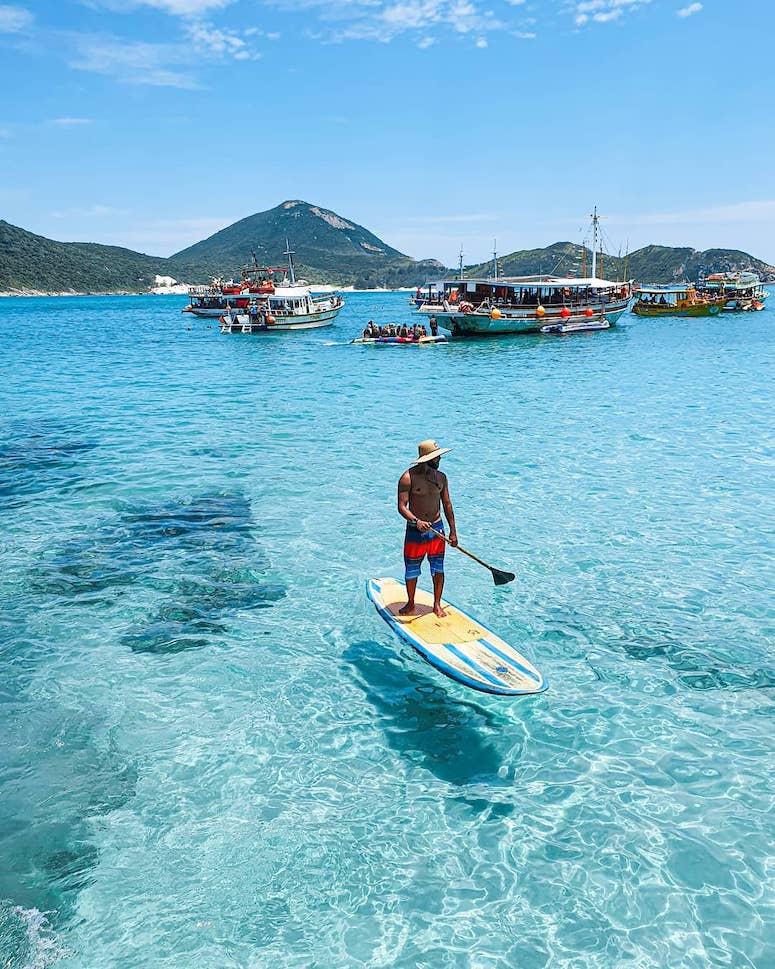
x,y
274,291
220,295
742,290
526,304
679,300
267,303
545,303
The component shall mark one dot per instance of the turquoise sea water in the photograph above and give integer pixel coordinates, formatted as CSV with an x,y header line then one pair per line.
x,y
215,754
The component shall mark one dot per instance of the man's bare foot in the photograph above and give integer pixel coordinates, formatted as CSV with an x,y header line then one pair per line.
x,y
407,610
439,610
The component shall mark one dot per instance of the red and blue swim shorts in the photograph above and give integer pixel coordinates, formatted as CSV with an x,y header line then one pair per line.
x,y
419,544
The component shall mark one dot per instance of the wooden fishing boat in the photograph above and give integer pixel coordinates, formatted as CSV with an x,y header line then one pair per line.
x,y
742,290
285,305
526,304
681,300
267,298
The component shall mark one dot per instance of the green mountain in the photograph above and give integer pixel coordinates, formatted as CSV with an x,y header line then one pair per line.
x,y
651,264
327,249
32,262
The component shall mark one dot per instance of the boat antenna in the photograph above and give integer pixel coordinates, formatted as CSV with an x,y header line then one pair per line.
x,y
495,257
460,263
289,253
595,223
255,259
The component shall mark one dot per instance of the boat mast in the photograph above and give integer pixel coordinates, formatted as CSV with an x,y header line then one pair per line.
x,y
289,253
495,257
595,221
460,263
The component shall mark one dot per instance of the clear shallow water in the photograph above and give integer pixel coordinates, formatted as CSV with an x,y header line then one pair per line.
x,y
216,754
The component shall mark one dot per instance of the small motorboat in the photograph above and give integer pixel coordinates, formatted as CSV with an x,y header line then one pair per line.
x,y
578,326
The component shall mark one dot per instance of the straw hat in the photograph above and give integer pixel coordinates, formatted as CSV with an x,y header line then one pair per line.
x,y
428,450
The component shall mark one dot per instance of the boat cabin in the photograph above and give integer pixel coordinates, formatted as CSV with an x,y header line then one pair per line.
x,y
667,295
532,291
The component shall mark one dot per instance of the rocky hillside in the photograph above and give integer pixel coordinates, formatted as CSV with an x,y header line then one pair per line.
x,y
32,263
328,248
651,264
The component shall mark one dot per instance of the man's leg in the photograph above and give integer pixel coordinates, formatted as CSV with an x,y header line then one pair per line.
x,y
436,562
414,553
438,588
411,587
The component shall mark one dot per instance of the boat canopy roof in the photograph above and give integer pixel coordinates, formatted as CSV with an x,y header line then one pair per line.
x,y
544,282
743,276
671,288
289,292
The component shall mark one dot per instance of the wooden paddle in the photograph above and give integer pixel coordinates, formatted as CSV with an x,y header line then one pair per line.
x,y
499,577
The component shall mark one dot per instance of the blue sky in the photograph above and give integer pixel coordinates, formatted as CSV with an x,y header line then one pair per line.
x,y
152,123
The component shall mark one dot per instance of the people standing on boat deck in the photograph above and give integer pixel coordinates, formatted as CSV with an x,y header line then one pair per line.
x,y
434,326
422,491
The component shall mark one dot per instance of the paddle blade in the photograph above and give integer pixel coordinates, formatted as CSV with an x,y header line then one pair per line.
x,y
501,578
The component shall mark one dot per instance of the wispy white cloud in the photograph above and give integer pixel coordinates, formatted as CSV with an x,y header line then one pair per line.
x,y
178,8
14,19
220,42
689,10
133,62
423,21
604,11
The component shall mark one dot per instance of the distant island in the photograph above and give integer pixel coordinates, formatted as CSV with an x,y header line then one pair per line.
x,y
329,249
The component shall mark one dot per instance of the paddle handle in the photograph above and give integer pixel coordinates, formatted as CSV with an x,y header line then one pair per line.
x,y
460,548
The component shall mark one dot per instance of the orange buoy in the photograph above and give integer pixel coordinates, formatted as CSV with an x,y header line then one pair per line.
x,y
495,314
565,312
540,311
270,320
589,311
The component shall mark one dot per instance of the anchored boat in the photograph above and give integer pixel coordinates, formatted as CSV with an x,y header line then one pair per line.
x,y
683,300
742,290
271,305
528,304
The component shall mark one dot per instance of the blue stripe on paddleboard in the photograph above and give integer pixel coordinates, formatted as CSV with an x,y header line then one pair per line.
x,y
512,662
485,674
402,630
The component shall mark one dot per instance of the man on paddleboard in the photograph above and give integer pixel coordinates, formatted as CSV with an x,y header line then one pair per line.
x,y
422,490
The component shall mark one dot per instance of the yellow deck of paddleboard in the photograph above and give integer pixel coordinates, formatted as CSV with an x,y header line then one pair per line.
x,y
456,644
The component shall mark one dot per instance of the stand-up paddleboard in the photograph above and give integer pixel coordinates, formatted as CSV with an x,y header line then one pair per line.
x,y
457,645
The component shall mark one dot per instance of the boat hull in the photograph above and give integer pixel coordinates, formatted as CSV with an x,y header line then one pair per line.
x,y
702,309
520,321
243,323
198,311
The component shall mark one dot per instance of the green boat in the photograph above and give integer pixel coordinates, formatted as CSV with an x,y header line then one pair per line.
x,y
683,300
